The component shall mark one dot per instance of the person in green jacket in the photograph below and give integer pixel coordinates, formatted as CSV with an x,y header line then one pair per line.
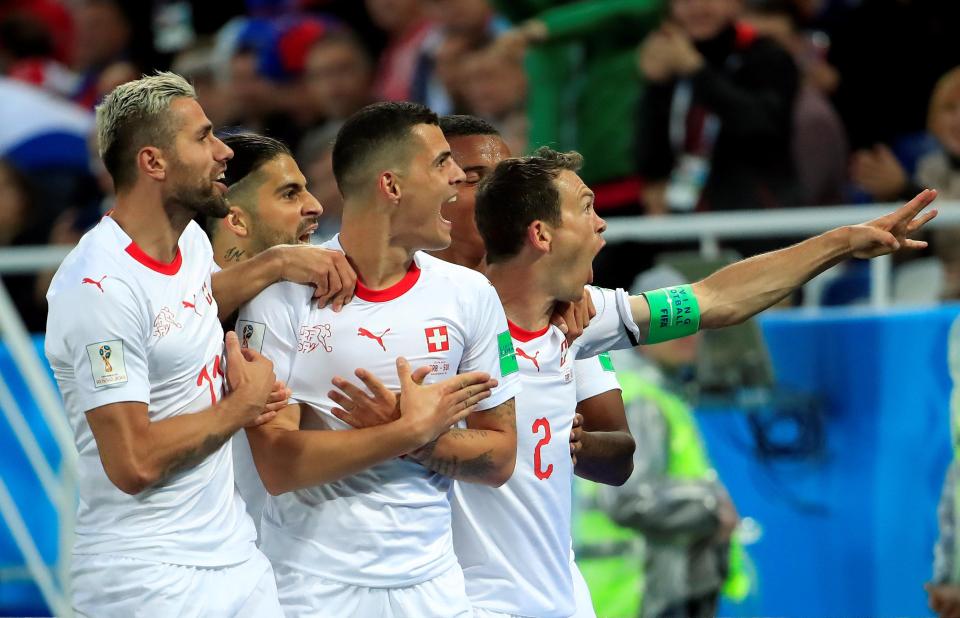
x,y
674,500
584,87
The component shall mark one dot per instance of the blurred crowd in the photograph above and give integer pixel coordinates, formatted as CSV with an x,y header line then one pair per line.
x,y
677,105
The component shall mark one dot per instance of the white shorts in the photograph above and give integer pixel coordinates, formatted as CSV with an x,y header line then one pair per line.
x,y
302,595
581,594
111,585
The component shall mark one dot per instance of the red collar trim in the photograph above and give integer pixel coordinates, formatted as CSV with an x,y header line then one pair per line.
x,y
521,334
164,269
396,290
746,35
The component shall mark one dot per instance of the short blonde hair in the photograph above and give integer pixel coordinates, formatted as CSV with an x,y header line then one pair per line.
x,y
134,115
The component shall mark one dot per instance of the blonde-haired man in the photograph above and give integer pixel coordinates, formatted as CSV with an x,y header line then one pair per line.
x,y
136,346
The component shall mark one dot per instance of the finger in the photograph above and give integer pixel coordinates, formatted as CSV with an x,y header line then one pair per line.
x,y
276,406
248,354
351,390
334,284
375,386
472,401
321,292
346,417
577,419
232,345
278,395
477,392
348,282
265,417
461,415
912,208
403,372
914,244
420,374
922,220
342,400
557,320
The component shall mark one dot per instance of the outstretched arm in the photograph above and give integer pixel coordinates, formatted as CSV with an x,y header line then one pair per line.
x,y
741,290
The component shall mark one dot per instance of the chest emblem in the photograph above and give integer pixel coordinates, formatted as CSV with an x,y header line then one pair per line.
x,y
362,332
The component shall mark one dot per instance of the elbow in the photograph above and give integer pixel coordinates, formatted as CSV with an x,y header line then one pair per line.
x,y
622,474
501,473
275,482
131,478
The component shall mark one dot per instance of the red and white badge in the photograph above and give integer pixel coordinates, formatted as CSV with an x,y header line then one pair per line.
x,y
437,339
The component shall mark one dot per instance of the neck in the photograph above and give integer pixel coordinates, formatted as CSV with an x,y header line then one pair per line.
x,y
366,236
455,255
523,292
155,230
229,249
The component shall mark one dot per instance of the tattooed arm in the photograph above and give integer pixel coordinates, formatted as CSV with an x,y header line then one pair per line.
x,y
485,452
138,453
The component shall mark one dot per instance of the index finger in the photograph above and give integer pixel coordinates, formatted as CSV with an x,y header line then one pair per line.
x,y
912,208
348,282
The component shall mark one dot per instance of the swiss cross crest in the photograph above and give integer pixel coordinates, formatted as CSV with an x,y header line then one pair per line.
x,y
437,339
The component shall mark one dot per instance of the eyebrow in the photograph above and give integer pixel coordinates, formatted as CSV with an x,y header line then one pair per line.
x,y
205,129
474,168
290,185
441,157
587,192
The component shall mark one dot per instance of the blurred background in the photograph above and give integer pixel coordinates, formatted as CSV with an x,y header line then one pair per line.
x,y
711,129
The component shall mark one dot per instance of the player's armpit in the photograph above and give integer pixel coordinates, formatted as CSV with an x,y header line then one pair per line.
x,y
606,446
138,453
485,452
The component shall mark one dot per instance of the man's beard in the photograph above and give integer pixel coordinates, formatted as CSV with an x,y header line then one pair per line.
x,y
268,238
204,202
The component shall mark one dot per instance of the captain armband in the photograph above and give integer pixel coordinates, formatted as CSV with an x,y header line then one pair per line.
x,y
674,313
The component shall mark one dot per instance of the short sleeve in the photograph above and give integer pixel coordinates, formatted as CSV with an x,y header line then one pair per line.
x,y
612,328
270,325
103,348
488,347
595,376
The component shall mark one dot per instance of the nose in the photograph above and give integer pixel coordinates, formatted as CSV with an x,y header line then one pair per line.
x,y
456,173
601,225
311,206
222,152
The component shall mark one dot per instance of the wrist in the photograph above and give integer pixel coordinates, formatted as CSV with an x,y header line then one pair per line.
x,y
276,262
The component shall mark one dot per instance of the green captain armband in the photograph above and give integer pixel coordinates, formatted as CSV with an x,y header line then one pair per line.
x,y
674,313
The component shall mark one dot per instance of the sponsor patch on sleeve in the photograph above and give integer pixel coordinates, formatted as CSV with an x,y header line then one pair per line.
x,y
251,334
106,363
606,362
508,358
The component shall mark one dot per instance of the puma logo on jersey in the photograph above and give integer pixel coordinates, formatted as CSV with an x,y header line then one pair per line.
x,y
94,282
532,359
362,332
192,305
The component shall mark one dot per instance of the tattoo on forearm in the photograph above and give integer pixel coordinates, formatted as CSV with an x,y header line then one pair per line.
x,y
192,457
233,254
475,468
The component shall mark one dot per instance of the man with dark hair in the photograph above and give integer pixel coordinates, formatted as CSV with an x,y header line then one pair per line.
x,y
268,198
353,529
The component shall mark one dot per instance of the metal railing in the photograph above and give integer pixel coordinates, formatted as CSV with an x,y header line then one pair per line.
x,y
709,228
60,489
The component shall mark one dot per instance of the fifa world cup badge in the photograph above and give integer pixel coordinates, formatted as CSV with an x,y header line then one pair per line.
x,y
105,355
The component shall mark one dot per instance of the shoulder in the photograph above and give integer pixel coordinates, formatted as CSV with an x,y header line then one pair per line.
x,y
458,277
94,268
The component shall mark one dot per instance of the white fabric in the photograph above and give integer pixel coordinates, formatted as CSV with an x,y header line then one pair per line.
x,y
388,526
166,346
307,596
581,593
593,378
109,586
513,541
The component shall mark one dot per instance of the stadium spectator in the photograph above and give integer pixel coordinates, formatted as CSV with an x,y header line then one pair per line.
x,y
407,26
819,142
103,37
338,77
595,113
716,120
494,87
315,157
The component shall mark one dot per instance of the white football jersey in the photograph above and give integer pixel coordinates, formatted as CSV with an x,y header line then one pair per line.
x,y
513,541
388,526
125,327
